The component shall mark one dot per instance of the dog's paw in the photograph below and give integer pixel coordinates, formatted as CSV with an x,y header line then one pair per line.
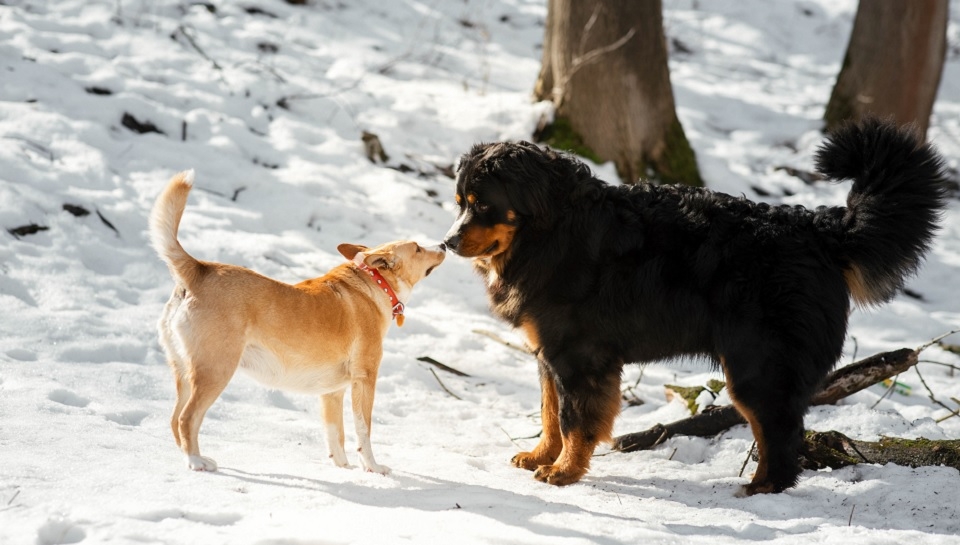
x,y
529,461
340,461
376,468
201,463
558,475
752,489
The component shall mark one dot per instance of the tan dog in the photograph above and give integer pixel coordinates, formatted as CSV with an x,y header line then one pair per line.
x,y
319,336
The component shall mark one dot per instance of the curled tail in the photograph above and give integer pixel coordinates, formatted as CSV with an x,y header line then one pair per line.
x,y
164,223
893,208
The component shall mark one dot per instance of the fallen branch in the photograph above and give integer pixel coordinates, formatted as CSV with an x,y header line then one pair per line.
x,y
193,43
508,344
835,450
438,365
838,385
442,385
710,422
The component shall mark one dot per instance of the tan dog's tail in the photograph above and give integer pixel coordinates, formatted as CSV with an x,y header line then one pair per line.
x,y
164,223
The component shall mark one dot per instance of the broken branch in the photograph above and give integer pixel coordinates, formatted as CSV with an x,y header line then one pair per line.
x,y
839,384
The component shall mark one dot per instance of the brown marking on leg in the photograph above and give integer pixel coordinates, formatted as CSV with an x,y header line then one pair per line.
x,y
573,462
551,443
579,444
760,484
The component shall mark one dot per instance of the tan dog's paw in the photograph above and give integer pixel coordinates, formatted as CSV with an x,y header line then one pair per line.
x,y
340,459
201,463
377,468
558,475
530,460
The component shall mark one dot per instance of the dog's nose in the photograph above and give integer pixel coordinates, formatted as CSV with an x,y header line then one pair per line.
x,y
452,243
443,247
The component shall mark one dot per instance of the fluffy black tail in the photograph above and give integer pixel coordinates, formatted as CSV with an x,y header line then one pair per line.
x,y
893,208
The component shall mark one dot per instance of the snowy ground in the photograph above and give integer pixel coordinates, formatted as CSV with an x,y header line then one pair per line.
x,y
267,102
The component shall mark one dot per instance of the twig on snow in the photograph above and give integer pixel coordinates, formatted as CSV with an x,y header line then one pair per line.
x,y
439,365
510,438
930,392
508,344
444,386
183,31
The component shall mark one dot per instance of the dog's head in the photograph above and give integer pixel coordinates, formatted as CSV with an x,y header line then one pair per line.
x,y
403,263
505,187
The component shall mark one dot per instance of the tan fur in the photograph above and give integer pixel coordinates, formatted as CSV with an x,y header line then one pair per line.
x,y
577,444
551,443
319,336
857,284
760,475
477,239
572,464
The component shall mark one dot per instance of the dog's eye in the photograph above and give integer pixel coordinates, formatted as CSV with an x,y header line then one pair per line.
x,y
482,208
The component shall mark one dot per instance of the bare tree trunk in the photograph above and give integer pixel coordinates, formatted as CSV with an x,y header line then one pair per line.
x,y
893,63
605,69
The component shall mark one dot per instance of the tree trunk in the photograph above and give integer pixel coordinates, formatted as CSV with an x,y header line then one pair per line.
x,y
605,70
893,63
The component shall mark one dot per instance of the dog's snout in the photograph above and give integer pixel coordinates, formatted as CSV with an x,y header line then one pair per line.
x,y
452,242
443,247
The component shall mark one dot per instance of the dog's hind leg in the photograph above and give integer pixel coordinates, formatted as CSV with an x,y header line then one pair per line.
x,y
211,371
183,393
774,406
551,442
177,367
332,409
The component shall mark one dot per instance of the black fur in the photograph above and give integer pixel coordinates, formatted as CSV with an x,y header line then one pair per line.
x,y
609,275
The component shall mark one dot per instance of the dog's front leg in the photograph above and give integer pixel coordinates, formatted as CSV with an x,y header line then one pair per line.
x,y
588,406
332,409
362,390
548,449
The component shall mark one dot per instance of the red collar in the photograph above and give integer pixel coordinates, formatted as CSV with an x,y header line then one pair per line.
x,y
382,282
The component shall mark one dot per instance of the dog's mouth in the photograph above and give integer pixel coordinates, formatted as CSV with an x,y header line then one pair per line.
x,y
430,270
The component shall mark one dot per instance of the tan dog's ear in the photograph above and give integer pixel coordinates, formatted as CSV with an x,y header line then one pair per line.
x,y
350,250
380,260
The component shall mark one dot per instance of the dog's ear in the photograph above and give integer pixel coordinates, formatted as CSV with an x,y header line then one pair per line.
x,y
528,177
350,251
382,259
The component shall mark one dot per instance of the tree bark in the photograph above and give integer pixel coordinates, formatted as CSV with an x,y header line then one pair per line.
x,y
893,63
605,69
839,384
835,450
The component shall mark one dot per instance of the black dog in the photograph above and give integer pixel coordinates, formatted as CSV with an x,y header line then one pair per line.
x,y
596,276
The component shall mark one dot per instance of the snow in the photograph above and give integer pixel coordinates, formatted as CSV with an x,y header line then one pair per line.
x,y
267,102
